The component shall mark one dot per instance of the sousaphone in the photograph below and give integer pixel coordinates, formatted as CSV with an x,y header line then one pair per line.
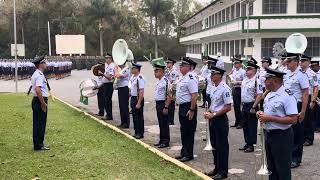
x,y
121,54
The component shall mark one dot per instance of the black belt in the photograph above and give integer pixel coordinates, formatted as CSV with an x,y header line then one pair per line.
x,y
276,130
160,101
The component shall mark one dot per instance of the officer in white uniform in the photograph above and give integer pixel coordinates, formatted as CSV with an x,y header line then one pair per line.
x,y
100,95
210,86
204,72
186,98
123,95
137,100
172,76
308,123
316,68
280,112
238,74
160,96
39,103
297,82
108,85
220,61
219,124
265,63
250,90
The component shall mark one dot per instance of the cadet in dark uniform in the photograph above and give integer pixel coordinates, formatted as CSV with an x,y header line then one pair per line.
x,y
137,100
39,103
280,112
251,90
160,96
186,98
308,123
219,127
108,85
238,74
297,82
123,95
172,76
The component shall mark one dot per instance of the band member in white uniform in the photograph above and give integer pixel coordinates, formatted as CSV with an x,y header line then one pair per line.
x,y
137,100
172,76
238,74
280,112
308,123
219,126
315,66
297,82
204,72
186,98
251,89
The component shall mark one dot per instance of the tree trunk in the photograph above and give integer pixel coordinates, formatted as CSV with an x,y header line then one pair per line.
x,y
156,38
101,42
151,26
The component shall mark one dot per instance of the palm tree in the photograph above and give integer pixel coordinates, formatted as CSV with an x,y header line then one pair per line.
x,y
155,9
100,11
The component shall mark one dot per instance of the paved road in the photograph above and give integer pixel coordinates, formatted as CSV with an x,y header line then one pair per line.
x,y
67,89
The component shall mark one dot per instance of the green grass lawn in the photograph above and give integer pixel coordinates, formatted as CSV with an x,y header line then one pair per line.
x,y
80,147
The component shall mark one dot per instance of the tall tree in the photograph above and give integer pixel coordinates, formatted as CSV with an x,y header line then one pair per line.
x,y
100,11
155,9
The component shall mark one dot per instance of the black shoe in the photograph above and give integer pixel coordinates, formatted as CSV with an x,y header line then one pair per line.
x,y
171,123
107,118
163,145
99,114
220,176
157,144
307,143
120,126
295,165
239,127
138,136
179,157
249,149
243,148
185,159
211,173
43,148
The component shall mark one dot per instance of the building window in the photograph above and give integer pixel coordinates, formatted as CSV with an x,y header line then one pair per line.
x,y
237,47
227,48
212,48
216,19
313,48
274,6
219,17
207,23
232,12
223,16
267,45
219,47
223,48
243,9
308,6
228,14
212,20
251,8
238,10
243,45
250,42
232,48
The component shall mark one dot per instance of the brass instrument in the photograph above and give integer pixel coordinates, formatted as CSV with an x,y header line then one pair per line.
x,y
121,54
264,167
230,80
88,88
318,101
96,68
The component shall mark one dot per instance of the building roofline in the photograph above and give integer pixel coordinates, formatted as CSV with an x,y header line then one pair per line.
x,y
203,9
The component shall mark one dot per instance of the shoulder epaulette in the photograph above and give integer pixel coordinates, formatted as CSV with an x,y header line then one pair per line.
x,y
289,92
302,71
190,76
140,77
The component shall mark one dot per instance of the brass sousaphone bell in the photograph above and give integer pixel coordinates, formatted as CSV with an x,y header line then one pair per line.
x,y
96,68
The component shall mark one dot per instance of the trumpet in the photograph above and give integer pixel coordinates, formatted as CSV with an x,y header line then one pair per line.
x,y
208,145
264,167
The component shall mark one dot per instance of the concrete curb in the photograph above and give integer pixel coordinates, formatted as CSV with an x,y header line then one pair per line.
x,y
152,149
